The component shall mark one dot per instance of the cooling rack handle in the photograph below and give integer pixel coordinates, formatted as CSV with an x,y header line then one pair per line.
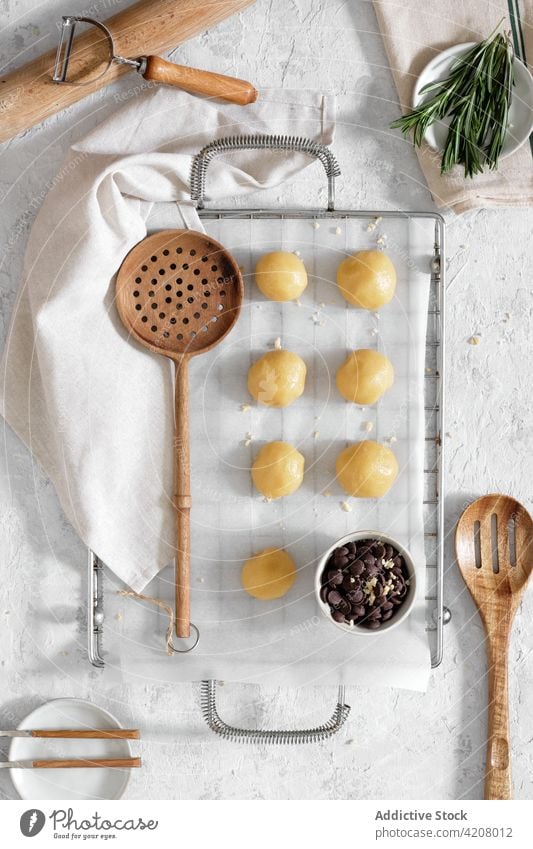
x,y
252,735
295,144
95,609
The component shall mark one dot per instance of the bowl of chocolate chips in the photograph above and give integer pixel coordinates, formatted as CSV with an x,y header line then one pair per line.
x,y
366,583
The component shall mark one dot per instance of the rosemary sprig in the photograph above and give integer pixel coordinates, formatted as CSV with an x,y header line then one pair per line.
x,y
476,97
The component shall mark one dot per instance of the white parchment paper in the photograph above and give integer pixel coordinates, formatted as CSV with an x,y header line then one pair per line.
x,y
289,641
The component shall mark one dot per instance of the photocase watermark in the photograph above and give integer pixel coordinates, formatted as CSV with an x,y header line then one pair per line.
x,y
268,386
305,626
20,227
65,820
133,91
95,10
7,103
32,822
65,824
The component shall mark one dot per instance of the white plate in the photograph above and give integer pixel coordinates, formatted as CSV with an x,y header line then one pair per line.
x,y
69,783
520,110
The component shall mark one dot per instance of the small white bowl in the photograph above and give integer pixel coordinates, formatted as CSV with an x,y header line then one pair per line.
x,y
403,610
520,109
69,784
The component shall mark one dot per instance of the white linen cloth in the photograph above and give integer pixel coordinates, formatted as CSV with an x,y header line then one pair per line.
x,y
95,409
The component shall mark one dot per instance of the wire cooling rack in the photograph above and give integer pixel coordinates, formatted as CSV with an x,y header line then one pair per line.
x,y
436,614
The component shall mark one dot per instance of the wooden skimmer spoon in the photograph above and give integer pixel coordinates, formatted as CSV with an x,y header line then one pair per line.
x,y
494,548
179,293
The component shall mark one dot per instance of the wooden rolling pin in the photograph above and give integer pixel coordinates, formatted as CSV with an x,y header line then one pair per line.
x,y
28,95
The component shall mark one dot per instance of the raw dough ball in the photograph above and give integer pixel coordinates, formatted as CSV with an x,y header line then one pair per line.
x,y
268,574
278,469
277,379
365,376
367,279
366,469
281,276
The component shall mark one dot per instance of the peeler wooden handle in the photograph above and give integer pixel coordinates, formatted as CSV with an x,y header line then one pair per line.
x,y
199,82
182,499
498,779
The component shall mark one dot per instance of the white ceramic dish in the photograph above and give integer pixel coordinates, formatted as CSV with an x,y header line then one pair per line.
x,y
403,610
520,110
69,783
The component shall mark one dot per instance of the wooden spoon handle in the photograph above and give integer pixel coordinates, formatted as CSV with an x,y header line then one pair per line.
x,y
182,499
93,763
498,782
199,82
88,733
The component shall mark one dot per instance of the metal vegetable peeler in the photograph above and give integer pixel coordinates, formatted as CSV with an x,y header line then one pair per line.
x,y
81,62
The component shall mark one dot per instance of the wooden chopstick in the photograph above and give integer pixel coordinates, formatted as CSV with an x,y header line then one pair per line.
x,y
89,733
88,764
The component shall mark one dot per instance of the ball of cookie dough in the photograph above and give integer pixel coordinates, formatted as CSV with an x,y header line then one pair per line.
x,y
268,574
278,469
365,376
366,469
367,279
277,378
281,276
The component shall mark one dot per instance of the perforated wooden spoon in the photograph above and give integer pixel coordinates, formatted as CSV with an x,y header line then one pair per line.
x,y
179,293
494,548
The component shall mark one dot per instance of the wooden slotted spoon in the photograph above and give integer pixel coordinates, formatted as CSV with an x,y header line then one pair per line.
x,y
494,548
179,293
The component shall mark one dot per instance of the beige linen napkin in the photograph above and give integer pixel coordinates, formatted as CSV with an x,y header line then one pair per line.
x,y
414,31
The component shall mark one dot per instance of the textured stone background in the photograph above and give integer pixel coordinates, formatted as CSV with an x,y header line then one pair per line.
x,y
396,744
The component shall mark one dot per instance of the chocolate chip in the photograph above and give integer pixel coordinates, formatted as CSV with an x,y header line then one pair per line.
x,y
341,562
351,546
324,593
358,611
338,616
379,550
373,624
357,567
387,615
335,577
356,596
334,597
